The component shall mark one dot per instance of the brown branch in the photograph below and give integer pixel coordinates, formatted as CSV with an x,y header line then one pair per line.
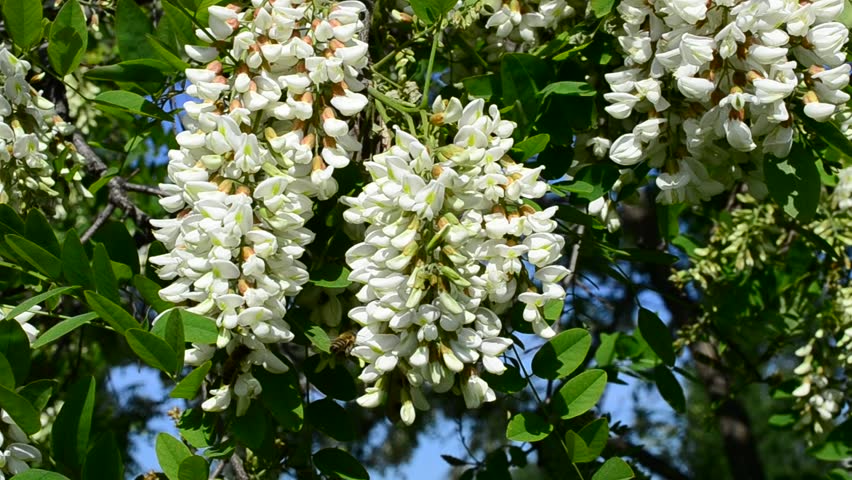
x,y
117,187
135,187
237,464
98,223
655,464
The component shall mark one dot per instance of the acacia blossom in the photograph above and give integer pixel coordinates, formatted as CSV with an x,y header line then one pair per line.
x,y
30,142
710,88
450,244
277,88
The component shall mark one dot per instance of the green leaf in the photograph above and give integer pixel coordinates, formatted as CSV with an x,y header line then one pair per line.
x,y
41,259
104,459
171,452
198,427
75,262
10,221
531,146
37,474
430,11
101,182
38,393
601,8
282,396
116,316
63,328
669,388
119,244
588,444
331,276
528,427
314,333
592,182
38,230
606,350
614,469
7,376
485,86
23,21
331,419
580,394
250,428
15,345
521,76
794,183
337,463
152,349
333,380
132,25
105,280
175,63
578,89
131,71
70,439
174,336
198,328
150,292
193,468
837,446
562,354
657,334
21,411
68,38
188,387
782,420
828,131
131,103
35,300
553,309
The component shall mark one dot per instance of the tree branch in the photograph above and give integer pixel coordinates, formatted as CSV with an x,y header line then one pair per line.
x,y
117,187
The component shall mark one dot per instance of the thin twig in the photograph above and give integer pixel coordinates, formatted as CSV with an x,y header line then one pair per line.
x,y
135,187
98,223
218,471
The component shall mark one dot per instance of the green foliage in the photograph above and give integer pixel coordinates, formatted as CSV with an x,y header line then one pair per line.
x,y
68,38
171,453
528,427
23,21
71,429
340,464
579,394
562,354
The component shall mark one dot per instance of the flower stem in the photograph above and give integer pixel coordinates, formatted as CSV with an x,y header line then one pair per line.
x,y
435,41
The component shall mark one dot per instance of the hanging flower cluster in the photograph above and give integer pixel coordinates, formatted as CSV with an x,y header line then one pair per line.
x,y
270,127
16,453
450,244
709,86
30,142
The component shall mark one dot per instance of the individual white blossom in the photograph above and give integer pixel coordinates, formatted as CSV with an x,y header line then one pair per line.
x,y
271,124
722,80
450,244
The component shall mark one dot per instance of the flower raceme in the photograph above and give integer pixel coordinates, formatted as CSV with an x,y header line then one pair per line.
x,y
278,84
710,88
30,138
450,244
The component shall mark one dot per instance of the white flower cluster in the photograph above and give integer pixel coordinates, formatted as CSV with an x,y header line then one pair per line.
x,y
820,401
23,319
450,244
842,194
266,135
30,139
709,86
16,453
518,21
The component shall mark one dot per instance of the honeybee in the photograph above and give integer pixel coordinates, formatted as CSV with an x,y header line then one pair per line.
x,y
343,343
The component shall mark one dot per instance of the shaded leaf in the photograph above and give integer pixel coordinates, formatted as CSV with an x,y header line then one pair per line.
x,y
15,345
331,419
116,316
63,328
528,427
70,439
36,256
131,103
68,38
189,385
614,469
657,334
337,463
151,349
75,262
560,356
